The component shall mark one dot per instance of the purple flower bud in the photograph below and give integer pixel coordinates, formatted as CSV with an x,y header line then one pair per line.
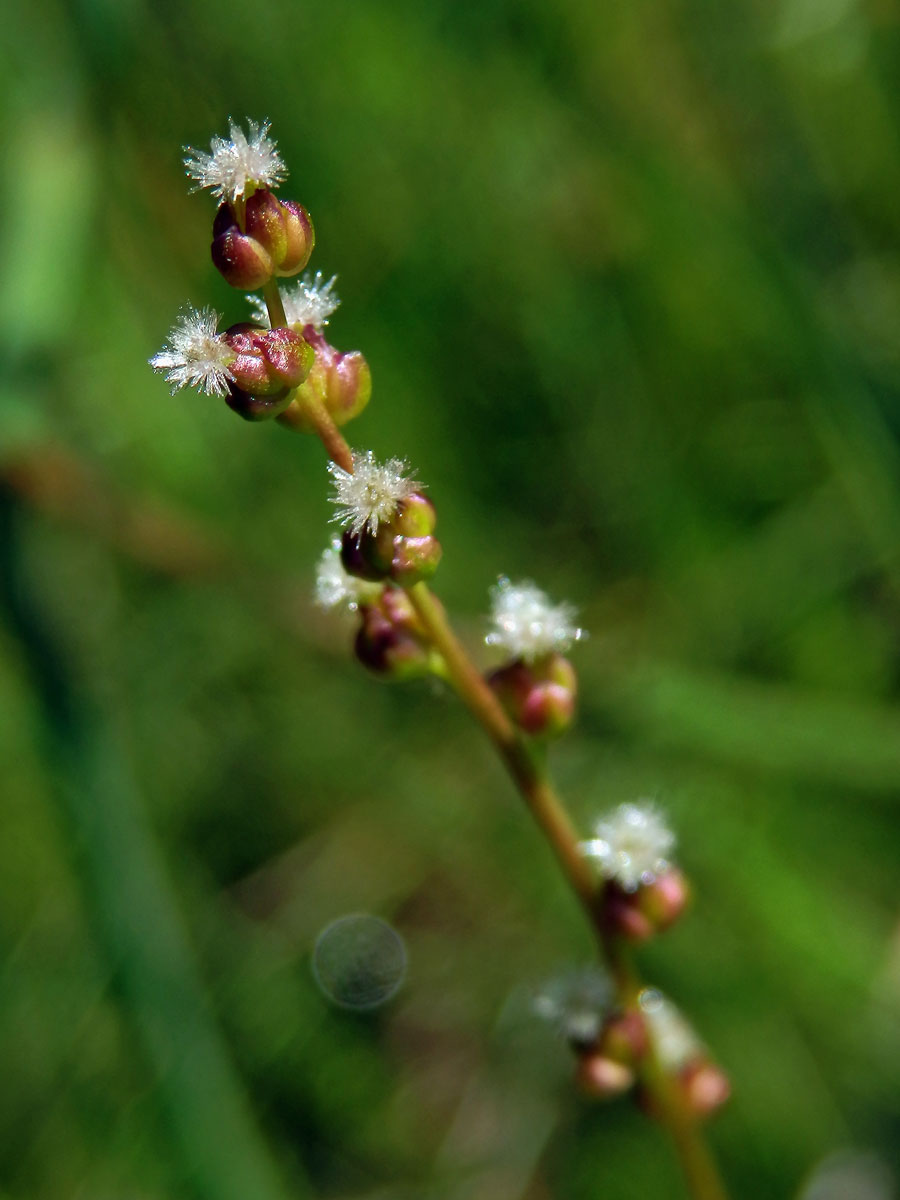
x,y
357,557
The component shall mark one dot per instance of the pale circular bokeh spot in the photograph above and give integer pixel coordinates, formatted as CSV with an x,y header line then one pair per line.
x,y
359,961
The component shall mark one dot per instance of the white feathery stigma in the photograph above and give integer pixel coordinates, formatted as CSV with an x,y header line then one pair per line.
x,y
337,589
676,1042
309,302
527,625
372,494
630,845
196,355
236,162
576,1002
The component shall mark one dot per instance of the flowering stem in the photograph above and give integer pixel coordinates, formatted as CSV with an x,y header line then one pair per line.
x,y
519,757
697,1164
529,774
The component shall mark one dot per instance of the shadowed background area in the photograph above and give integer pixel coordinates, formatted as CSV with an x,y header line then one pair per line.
x,y
628,278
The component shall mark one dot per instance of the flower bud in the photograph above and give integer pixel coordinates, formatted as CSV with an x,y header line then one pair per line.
x,y
257,408
340,382
282,228
277,239
539,696
268,360
401,549
651,908
623,1038
664,900
391,641
602,1078
705,1086
239,258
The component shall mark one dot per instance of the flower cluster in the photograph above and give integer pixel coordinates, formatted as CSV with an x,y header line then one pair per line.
x,y
279,364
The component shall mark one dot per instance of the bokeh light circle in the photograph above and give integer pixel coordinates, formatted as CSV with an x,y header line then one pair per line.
x,y
359,961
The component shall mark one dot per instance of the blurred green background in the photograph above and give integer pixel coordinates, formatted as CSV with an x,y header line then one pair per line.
x,y
628,278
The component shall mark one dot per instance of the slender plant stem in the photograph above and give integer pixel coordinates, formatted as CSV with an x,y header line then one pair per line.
x,y
274,304
518,756
529,774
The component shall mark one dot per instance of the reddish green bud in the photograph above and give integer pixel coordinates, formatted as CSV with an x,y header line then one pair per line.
x,y
649,909
664,900
389,553
277,238
268,360
705,1086
390,640
539,696
239,258
341,382
601,1078
282,228
416,517
624,1038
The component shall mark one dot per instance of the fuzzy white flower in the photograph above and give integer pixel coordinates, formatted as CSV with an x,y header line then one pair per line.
x,y
527,625
335,588
309,302
676,1042
372,494
630,845
576,1002
196,354
232,165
